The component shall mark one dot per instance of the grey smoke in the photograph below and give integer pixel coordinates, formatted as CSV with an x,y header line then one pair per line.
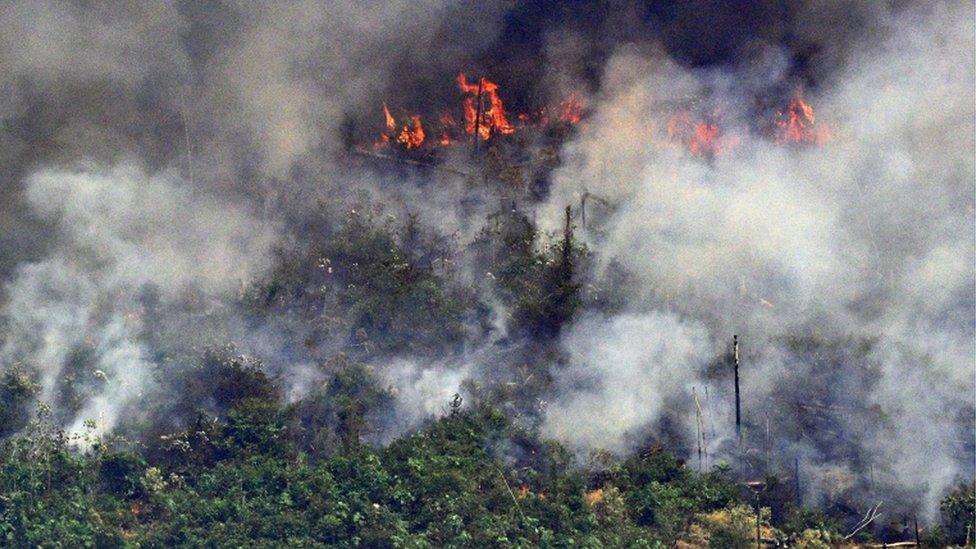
x,y
120,231
868,238
165,146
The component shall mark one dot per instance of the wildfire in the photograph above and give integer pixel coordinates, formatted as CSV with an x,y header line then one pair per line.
x,y
704,136
701,137
493,117
483,117
411,135
798,125
481,97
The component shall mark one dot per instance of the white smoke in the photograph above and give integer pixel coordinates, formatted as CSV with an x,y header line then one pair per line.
x,y
621,372
120,231
421,392
868,237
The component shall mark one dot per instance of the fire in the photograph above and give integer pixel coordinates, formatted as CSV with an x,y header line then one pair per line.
x,y
493,117
493,121
798,124
390,122
701,137
571,110
412,135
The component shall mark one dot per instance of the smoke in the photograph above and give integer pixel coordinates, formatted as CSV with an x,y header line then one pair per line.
x,y
422,392
121,232
622,372
867,239
153,156
160,150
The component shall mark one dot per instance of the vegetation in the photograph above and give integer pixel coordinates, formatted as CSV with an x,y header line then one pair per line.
x,y
457,482
222,456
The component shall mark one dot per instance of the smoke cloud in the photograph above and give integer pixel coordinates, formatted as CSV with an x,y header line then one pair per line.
x,y
868,238
121,233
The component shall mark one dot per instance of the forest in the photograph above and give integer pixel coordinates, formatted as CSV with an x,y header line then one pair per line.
x,y
223,460
464,273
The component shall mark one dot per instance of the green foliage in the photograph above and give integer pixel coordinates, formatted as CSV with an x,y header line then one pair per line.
x,y
536,277
663,493
958,511
17,390
372,284
468,480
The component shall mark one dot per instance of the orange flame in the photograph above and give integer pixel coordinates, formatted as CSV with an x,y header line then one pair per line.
x,y
701,137
571,110
412,135
384,137
798,124
390,122
493,118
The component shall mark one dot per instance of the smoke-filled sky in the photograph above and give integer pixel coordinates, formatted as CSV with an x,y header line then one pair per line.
x,y
173,145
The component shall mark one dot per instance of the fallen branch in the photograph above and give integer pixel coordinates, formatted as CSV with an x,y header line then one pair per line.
x,y
511,493
868,519
409,161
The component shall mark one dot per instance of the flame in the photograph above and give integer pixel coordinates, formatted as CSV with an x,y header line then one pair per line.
x,y
384,138
523,490
571,110
447,123
390,122
493,117
493,121
412,135
798,124
701,137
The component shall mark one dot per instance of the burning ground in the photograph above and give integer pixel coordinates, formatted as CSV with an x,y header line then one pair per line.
x,y
357,214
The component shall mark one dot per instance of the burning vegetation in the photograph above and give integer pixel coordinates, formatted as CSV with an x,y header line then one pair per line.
x,y
248,331
797,124
483,118
702,137
707,135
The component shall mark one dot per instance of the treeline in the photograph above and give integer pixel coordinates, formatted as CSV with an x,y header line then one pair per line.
x,y
470,479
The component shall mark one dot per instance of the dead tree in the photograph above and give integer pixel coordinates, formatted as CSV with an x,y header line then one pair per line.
x,y
868,519
796,480
583,198
477,117
702,441
738,407
456,404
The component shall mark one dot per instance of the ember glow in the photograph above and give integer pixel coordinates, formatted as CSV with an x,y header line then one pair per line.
x,y
571,110
702,137
797,124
